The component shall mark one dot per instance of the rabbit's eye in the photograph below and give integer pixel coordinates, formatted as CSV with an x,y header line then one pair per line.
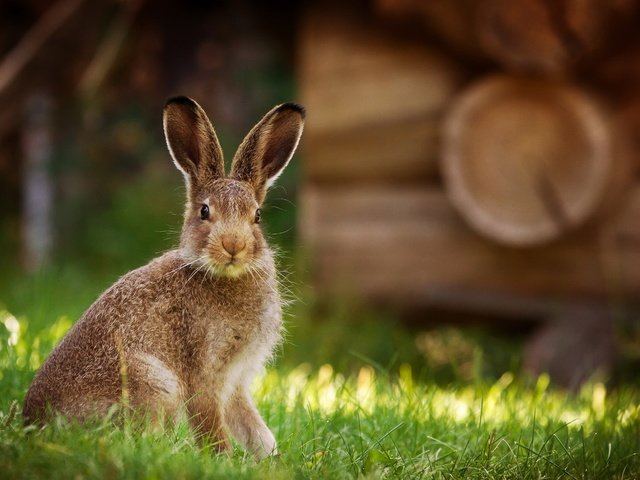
x,y
204,212
258,216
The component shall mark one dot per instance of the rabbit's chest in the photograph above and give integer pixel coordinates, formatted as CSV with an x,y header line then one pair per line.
x,y
238,350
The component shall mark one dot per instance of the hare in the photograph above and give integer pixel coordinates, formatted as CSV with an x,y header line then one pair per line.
x,y
189,331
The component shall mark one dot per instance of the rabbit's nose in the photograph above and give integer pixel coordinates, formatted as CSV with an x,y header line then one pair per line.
x,y
232,244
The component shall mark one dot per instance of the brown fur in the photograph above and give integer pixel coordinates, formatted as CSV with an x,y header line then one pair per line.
x,y
190,330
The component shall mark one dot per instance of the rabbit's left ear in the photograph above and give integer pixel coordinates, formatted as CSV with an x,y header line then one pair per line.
x,y
268,147
192,142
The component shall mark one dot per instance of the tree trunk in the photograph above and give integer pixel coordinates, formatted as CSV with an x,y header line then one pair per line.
x,y
37,188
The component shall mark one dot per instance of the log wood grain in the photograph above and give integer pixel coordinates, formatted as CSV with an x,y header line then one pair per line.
x,y
408,246
376,101
527,160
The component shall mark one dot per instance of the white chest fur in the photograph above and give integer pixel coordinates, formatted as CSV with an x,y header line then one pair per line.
x,y
237,358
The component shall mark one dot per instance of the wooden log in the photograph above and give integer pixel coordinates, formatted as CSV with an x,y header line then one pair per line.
x,y
400,152
452,21
547,36
408,246
542,35
628,126
526,161
374,100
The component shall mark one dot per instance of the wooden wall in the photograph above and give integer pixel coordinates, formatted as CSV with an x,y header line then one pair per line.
x,y
379,211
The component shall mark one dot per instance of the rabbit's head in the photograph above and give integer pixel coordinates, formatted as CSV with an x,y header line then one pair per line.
x,y
221,231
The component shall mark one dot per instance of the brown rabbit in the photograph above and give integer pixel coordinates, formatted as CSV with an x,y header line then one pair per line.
x,y
189,331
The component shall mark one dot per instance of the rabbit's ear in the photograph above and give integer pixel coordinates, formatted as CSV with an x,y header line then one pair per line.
x,y
192,141
268,147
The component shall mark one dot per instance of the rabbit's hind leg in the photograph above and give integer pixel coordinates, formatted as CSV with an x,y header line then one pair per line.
x,y
155,389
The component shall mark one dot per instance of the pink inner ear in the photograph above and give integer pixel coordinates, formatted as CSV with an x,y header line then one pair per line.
x,y
268,147
189,144
277,154
192,140
281,141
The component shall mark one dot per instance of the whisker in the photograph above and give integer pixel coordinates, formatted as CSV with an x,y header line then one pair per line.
x,y
184,265
200,267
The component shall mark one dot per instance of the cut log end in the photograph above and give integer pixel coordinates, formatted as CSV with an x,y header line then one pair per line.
x,y
526,161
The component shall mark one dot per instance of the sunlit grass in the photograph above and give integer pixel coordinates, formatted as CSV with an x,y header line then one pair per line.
x,y
375,423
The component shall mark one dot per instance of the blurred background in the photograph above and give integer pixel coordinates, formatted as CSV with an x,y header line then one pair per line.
x,y
465,198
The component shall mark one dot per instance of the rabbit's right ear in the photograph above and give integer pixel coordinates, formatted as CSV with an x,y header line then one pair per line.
x,y
192,141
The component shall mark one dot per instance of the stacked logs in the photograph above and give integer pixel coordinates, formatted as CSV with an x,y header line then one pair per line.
x,y
550,37
488,164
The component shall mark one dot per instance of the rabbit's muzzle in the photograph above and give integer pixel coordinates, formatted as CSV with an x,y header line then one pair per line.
x,y
233,245
231,253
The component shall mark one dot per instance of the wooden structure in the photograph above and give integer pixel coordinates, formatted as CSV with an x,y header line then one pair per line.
x,y
428,182
527,161
376,102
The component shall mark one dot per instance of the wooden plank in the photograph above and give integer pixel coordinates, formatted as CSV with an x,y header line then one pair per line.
x,y
453,21
408,246
372,99
540,35
401,151
413,82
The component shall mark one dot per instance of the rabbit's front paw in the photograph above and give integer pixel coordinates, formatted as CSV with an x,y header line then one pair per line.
x,y
265,444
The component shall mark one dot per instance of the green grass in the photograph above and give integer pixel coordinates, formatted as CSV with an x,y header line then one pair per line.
x,y
358,418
